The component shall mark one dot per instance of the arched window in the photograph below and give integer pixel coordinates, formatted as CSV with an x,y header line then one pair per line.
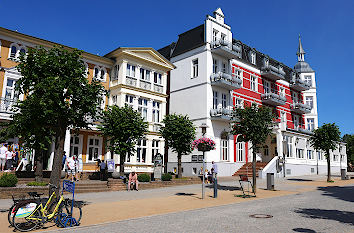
x,y
224,144
23,51
103,75
97,72
13,51
240,150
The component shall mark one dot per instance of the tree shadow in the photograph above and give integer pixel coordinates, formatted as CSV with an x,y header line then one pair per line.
x,y
301,180
185,194
345,193
340,216
224,187
304,230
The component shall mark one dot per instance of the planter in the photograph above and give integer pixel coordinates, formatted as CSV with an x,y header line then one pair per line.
x,y
204,147
115,175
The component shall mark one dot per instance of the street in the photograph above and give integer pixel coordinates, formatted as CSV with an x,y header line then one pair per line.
x,y
328,209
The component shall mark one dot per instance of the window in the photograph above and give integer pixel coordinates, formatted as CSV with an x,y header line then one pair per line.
x,y
10,92
289,146
295,97
103,74
74,146
309,101
155,111
23,51
13,52
253,81
253,58
310,124
320,155
94,149
215,35
238,103
223,36
283,116
157,78
141,151
215,66
266,87
224,149
299,153
144,74
114,99
99,74
155,147
310,154
224,100
224,68
308,79
335,157
282,91
195,68
240,151
215,99
129,100
130,70
238,73
142,107
296,121
115,71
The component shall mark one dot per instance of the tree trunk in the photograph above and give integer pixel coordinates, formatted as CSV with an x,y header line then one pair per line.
x,y
254,181
39,165
121,164
57,161
179,165
328,167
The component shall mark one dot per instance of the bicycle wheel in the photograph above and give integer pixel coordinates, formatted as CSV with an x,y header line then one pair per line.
x,y
22,212
10,214
76,210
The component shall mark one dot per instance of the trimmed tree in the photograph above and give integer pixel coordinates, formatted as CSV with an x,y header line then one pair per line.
x,y
56,78
253,124
179,133
29,126
326,138
122,127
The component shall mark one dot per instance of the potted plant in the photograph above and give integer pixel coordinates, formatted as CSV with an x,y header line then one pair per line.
x,y
204,144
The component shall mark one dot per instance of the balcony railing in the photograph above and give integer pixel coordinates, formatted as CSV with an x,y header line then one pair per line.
x,y
300,108
158,88
224,80
272,72
7,105
299,85
273,99
300,129
222,114
145,85
226,48
130,81
155,126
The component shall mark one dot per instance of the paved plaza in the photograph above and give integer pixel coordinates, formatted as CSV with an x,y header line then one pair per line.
x,y
300,204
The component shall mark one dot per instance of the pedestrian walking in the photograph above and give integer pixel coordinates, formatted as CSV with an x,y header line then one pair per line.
x,y
3,150
77,172
215,178
70,163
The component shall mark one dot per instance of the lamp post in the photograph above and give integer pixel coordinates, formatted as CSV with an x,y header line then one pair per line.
x,y
203,127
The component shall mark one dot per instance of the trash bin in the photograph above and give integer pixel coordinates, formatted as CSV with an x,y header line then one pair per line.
x,y
343,174
270,181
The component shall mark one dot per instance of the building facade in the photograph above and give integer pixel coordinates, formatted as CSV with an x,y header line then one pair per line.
x,y
133,76
215,73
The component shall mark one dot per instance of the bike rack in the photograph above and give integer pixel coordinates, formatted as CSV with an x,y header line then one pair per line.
x,y
68,220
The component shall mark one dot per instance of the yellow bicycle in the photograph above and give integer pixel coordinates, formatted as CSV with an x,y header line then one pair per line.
x,y
31,214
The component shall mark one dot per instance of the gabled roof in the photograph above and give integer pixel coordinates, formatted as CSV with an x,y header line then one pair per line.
x,y
144,53
219,12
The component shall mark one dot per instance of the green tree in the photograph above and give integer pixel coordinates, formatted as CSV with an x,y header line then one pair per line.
x,y
254,124
56,78
179,133
326,138
349,139
29,127
122,127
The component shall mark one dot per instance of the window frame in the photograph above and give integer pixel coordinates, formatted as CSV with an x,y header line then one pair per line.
x,y
195,68
254,82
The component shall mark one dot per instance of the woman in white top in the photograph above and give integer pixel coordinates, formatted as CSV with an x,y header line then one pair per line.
x,y
9,155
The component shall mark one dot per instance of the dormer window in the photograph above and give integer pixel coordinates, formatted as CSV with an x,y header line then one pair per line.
x,y
266,62
253,57
223,37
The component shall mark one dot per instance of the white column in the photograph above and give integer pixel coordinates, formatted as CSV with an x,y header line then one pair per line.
x,y
67,141
123,72
137,76
149,110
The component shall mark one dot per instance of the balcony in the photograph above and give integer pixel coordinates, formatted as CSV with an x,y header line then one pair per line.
x,y
273,73
155,126
221,114
158,88
299,85
273,99
130,81
300,129
226,81
145,85
226,49
7,106
300,108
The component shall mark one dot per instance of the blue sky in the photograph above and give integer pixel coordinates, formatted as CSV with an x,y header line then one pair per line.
x,y
272,27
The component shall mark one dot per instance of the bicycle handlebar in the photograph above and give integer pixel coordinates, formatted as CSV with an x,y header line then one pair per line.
x,y
54,186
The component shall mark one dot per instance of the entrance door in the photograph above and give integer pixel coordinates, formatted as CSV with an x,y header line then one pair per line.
x,y
240,152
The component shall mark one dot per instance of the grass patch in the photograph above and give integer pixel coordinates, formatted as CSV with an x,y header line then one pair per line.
x,y
330,181
35,183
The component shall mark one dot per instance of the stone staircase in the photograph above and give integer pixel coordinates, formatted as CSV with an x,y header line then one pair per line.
x,y
116,185
246,169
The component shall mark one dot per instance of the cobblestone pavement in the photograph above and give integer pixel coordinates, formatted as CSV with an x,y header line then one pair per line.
x,y
328,209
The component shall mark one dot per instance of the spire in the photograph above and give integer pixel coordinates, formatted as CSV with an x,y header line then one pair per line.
x,y
300,51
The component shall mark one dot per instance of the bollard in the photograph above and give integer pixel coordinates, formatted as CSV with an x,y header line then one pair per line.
x,y
270,181
343,174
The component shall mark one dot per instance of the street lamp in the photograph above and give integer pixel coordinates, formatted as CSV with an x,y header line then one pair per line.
x,y
203,126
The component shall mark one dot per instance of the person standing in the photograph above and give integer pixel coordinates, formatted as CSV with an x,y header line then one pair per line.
x,y
63,161
76,168
215,178
70,162
3,150
9,155
103,167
